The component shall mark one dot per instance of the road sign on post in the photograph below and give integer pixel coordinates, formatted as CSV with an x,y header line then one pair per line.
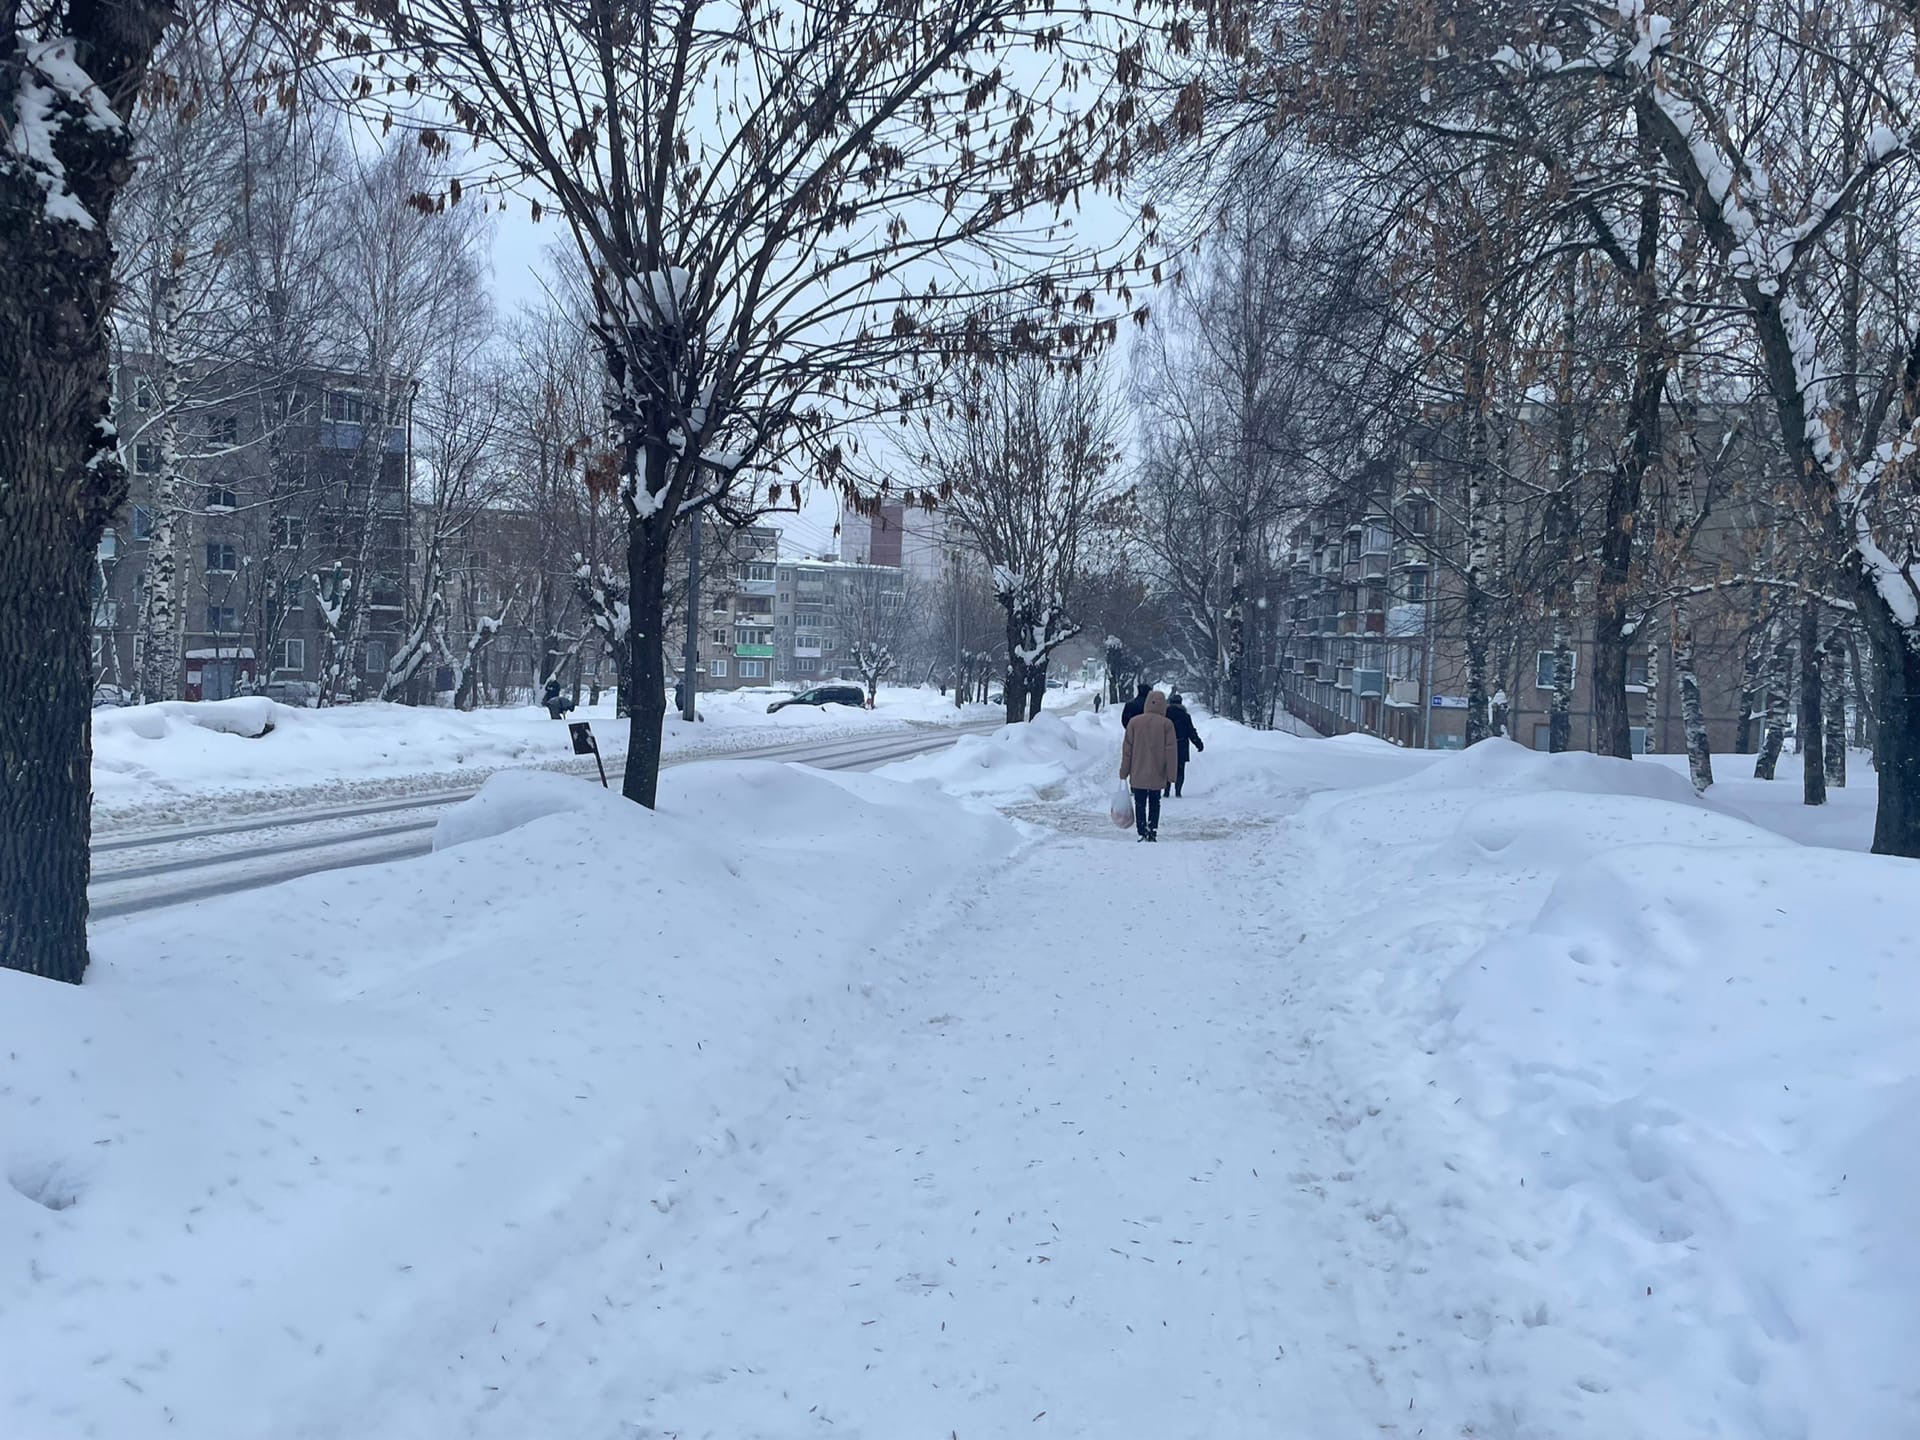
x,y
585,744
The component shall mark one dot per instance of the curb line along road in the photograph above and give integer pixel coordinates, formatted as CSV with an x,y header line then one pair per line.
x,y
146,883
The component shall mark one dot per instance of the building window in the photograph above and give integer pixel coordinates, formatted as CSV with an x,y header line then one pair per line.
x,y
717,669
759,571
719,637
806,665
1414,585
106,614
1638,736
143,394
1542,736
753,669
223,429
221,558
1543,668
293,656
109,544
345,406
142,523
294,592
220,497
289,532
1637,670
222,620
146,458
376,662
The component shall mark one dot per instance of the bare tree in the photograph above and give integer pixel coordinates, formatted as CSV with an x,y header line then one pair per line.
x,y
876,610
1028,458
784,217
458,421
403,290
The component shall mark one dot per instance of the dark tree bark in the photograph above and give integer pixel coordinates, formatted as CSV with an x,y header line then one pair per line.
x,y
643,678
1013,688
1612,717
1813,758
1036,689
1896,748
60,477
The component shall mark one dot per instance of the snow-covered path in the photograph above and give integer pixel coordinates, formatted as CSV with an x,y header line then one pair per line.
x,y
1085,1167
1502,1095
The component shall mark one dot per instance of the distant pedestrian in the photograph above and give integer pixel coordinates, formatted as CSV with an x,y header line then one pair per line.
x,y
1149,760
1099,697
557,704
1189,739
1134,706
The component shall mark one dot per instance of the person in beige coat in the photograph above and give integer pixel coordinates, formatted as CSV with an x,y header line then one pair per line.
x,y
1149,761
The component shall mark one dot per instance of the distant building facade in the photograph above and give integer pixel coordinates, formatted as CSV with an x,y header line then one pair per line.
x,y
275,486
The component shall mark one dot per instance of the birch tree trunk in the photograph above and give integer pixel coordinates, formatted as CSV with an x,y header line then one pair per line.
x,y
1651,720
1692,715
158,640
1779,688
1834,731
1753,660
1560,707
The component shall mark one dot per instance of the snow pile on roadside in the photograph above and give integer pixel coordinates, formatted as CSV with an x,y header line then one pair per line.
x,y
1019,764
152,760
376,1152
1689,1101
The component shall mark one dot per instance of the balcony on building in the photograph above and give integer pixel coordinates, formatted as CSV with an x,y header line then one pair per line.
x,y
754,652
1369,684
1403,620
1403,693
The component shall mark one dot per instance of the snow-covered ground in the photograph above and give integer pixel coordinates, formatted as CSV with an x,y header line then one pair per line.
x,y
158,763
1498,1095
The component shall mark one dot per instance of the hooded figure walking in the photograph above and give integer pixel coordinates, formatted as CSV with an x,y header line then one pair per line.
x,y
1149,762
1134,706
1189,740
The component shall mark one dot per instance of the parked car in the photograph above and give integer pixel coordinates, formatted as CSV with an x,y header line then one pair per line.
x,y
824,695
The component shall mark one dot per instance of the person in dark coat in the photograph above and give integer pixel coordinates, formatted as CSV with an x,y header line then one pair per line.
x,y
1134,706
1149,755
1188,736
557,704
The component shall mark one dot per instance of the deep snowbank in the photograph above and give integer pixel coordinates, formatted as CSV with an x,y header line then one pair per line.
x,y
287,1161
183,754
1683,1048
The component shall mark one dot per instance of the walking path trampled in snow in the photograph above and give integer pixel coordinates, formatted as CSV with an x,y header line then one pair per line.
x,y
1085,1168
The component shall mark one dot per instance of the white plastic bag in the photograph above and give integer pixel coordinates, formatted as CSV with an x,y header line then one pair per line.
x,y
1120,808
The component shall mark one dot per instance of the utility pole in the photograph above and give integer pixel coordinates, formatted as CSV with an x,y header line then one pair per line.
x,y
691,695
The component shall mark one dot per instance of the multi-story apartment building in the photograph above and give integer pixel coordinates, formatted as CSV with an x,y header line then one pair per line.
x,y
823,608
736,619
283,488
1373,635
